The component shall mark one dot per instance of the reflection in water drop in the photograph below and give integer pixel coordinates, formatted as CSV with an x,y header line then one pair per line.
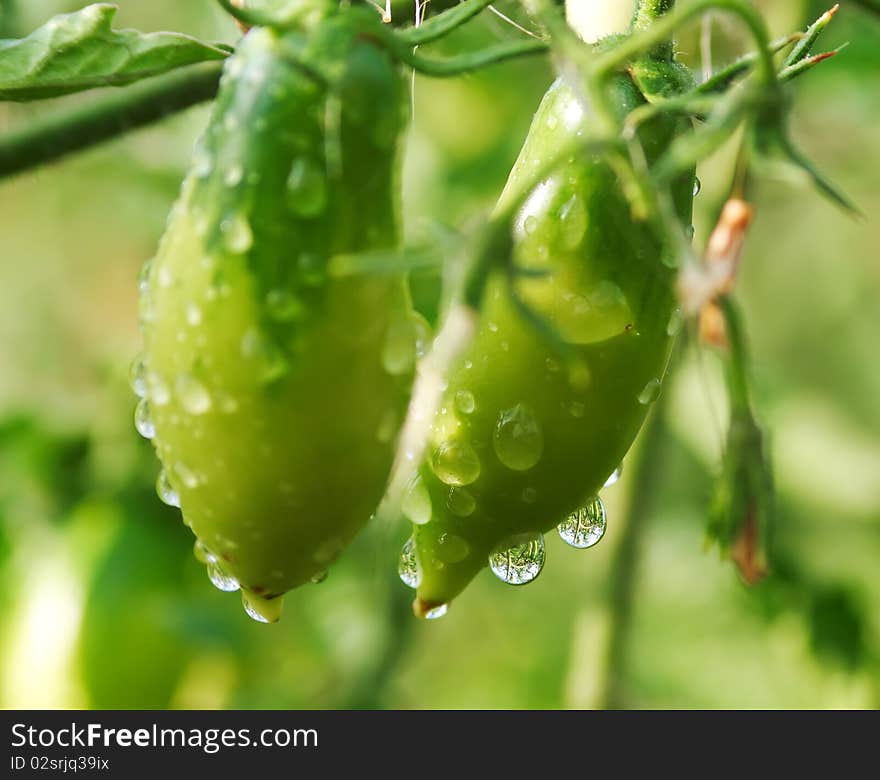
x,y
518,439
614,476
437,612
143,419
650,392
465,402
456,463
220,579
165,491
518,560
460,502
408,565
585,527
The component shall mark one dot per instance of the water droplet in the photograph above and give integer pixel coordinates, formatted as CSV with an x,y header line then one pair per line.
x,y
465,402
193,395
408,565
576,409
202,163
585,527
238,237
260,609
437,612
193,315
202,553
676,319
519,559
387,427
697,186
460,502
456,463
689,232
233,176
615,475
283,306
318,578
416,504
137,376
518,439
529,495
530,224
158,391
650,392
306,188
165,491
220,579
452,548
143,419
424,336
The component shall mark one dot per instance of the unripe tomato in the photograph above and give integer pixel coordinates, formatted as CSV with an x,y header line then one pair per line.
x,y
273,389
526,436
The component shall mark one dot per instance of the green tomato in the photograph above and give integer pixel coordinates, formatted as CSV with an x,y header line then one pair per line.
x,y
525,436
272,388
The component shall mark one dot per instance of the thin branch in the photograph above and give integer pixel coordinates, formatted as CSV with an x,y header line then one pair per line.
x,y
52,137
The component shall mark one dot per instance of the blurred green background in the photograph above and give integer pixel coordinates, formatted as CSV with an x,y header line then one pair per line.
x,y
103,605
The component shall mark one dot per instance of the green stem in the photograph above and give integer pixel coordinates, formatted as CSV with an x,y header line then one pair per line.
x,y
736,365
647,12
443,23
626,558
52,137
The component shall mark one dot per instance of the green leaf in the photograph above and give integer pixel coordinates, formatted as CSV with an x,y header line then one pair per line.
x,y
78,51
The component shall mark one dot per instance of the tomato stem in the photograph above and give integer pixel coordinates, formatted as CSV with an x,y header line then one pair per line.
x,y
52,137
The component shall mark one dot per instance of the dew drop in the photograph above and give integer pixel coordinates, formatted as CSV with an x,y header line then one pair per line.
x,y
317,579
579,375
437,612
576,409
456,463
518,439
650,392
165,491
238,237
697,186
193,395
233,176
202,553
452,548
137,376
530,224
585,527
424,336
408,565
193,315
465,402
220,579
306,188
159,393
529,495
416,504
202,163
260,609
460,502
143,419
519,559
399,349
615,475
676,319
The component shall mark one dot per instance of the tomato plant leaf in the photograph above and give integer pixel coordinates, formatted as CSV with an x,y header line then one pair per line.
x,y
79,51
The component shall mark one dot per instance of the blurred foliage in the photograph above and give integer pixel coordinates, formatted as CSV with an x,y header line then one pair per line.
x,y
103,604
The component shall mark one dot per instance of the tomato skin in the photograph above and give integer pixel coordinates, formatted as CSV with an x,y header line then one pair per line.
x,y
534,434
276,388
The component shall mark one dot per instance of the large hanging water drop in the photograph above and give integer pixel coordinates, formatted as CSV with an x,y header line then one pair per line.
x,y
260,609
456,463
614,476
585,527
137,376
519,559
518,439
165,491
437,612
220,579
408,565
143,419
